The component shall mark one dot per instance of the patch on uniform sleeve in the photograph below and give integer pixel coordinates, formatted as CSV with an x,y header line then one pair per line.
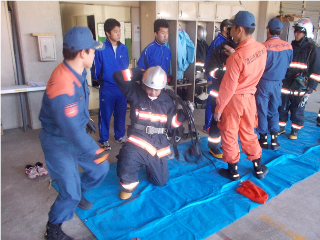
x,y
71,110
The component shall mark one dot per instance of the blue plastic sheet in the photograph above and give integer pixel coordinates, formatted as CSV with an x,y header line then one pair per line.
x,y
197,201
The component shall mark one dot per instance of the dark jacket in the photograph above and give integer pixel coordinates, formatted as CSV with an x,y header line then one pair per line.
x,y
299,65
159,113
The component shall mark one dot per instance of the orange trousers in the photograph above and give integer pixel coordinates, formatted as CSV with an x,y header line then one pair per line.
x,y
240,117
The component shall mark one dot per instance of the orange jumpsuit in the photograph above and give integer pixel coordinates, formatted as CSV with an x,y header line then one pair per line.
x,y
236,101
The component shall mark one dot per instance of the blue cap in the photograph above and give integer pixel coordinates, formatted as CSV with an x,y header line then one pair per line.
x,y
243,19
275,25
79,38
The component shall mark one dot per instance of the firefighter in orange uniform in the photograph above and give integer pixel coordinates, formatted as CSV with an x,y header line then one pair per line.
x,y
236,111
153,114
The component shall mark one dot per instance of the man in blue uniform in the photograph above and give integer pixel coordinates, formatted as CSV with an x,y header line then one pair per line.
x,y
268,95
301,79
113,58
156,53
65,141
222,37
153,115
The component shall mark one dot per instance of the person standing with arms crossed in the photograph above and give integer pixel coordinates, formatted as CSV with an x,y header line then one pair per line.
x,y
113,58
65,141
236,111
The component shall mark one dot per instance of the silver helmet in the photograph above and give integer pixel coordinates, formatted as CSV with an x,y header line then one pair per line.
x,y
155,77
304,25
202,33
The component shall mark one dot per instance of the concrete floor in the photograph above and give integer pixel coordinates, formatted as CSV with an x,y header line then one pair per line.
x,y
294,214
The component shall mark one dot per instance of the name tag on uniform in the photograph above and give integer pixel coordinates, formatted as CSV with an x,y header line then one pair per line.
x,y
71,110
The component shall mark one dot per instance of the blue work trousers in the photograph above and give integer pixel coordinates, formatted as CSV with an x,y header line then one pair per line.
x,y
62,160
268,99
112,101
208,113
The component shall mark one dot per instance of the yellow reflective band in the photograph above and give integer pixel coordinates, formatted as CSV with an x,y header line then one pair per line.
x,y
298,65
143,144
296,126
214,140
214,93
175,123
201,64
282,124
129,186
164,152
315,77
212,73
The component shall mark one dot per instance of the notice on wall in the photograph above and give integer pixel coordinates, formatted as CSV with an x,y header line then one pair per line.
x,y
136,33
122,38
101,32
127,30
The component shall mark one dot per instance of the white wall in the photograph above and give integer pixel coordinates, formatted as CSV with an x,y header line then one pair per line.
x,y
10,103
100,12
37,17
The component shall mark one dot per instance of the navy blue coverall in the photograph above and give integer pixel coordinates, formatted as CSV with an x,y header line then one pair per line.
x,y
112,100
208,113
311,69
216,68
143,148
268,95
65,142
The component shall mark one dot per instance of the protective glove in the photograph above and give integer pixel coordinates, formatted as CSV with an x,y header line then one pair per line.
x,y
101,156
305,97
190,106
91,127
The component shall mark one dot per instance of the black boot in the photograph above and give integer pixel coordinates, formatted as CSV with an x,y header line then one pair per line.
x,y
261,170
216,152
263,141
274,141
282,130
54,232
294,134
85,204
231,172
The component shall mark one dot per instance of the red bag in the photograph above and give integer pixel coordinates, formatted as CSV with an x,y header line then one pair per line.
x,y
253,192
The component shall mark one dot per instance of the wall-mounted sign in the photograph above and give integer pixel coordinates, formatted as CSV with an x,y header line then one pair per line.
x,y
46,46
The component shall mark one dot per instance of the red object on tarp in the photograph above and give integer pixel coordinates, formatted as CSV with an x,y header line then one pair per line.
x,y
253,192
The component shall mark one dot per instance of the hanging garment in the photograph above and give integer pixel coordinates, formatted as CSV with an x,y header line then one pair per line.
x,y
185,53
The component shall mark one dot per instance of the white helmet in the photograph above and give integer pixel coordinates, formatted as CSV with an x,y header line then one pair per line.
x,y
305,25
202,33
155,77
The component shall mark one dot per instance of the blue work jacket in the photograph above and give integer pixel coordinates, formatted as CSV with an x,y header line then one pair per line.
x,y
155,54
106,62
64,112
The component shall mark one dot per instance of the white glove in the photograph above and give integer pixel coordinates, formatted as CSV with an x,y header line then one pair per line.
x,y
190,106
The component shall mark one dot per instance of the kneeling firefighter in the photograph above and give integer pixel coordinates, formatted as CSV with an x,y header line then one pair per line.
x,y
216,68
153,115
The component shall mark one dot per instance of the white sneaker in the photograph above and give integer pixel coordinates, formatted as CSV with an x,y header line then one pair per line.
x,y
41,169
106,146
31,171
122,140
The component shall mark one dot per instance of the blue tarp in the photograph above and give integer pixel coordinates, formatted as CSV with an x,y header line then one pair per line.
x,y
197,201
